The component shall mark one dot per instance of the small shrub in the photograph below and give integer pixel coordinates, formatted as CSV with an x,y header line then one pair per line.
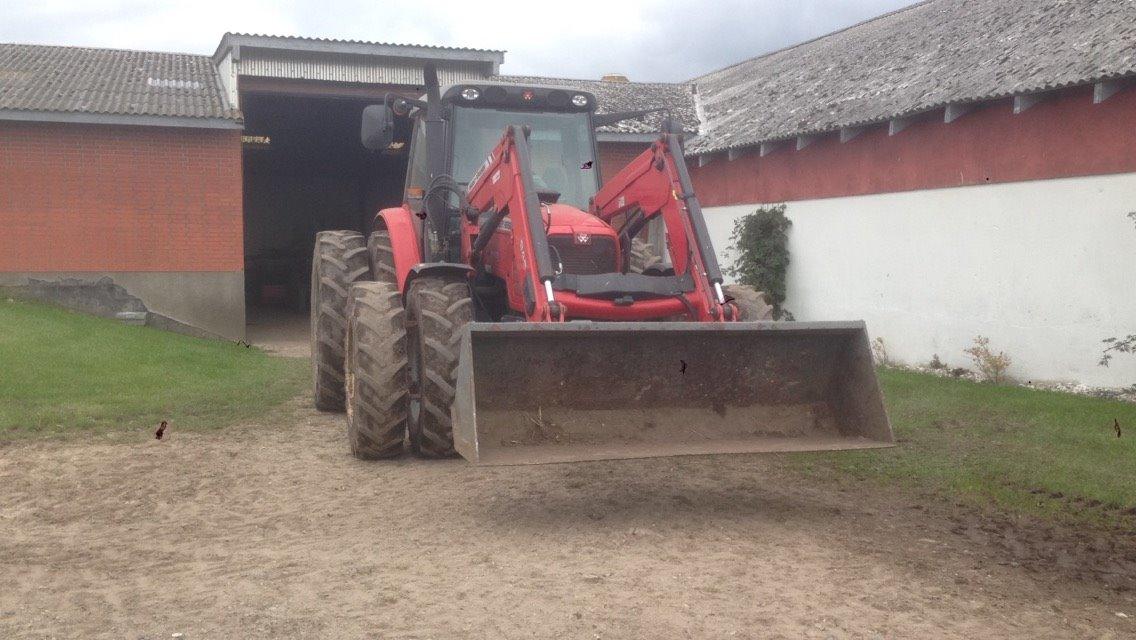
x,y
880,352
936,363
760,245
1117,345
991,365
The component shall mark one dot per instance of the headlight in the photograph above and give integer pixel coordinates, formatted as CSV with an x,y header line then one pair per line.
x,y
470,93
580,100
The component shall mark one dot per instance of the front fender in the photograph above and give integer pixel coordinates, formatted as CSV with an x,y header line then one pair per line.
x,y
399,222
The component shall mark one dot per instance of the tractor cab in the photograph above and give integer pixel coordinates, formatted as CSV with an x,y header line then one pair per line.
x,y
473,118
452,137
563,147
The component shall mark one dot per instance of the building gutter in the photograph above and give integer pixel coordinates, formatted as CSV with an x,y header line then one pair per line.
x,y
187,122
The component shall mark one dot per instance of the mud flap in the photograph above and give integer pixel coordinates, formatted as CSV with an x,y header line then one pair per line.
x,y
531,393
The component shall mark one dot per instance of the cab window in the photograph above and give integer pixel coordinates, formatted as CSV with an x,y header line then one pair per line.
x,y
417,175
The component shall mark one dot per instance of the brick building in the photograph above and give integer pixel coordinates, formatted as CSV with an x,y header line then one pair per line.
x,y
955,168
195,183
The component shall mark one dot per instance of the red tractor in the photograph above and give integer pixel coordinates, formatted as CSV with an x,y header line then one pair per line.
x,y
512,309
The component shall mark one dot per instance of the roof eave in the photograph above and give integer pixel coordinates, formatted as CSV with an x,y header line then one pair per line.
x,y
917,112
126,119
418,52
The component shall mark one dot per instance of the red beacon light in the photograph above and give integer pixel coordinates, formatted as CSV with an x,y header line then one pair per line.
x,y
527,95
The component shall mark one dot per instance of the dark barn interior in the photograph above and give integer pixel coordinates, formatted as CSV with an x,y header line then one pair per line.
x,y
305,171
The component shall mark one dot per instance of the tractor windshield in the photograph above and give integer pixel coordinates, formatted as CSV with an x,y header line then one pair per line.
x,y
561,149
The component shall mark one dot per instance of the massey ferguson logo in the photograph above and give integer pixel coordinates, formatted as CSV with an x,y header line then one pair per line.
x,y
582,238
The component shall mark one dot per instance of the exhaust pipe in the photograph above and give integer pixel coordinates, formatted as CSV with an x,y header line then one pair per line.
x,y
532,393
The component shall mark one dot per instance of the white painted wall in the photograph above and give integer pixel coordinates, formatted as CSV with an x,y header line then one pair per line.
x,y
1045,269
227,71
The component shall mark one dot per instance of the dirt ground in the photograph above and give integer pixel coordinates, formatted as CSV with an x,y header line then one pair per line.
x,y
272,530
279,331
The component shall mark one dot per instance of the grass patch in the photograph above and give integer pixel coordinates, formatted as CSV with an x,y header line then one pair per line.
x,y
62,372
1028,451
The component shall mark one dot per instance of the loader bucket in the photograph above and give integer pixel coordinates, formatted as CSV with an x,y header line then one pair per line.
x,y
530,393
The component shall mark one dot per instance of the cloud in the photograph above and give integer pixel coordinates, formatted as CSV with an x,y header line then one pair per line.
x,y
648,40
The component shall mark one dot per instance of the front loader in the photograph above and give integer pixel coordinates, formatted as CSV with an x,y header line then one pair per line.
x,y
512,311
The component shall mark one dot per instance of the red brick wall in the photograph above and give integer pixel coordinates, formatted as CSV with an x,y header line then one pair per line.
x,y
615,155
76,197
1062,137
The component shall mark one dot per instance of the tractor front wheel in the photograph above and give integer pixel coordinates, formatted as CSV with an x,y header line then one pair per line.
x,y
377,392
438,308
338,261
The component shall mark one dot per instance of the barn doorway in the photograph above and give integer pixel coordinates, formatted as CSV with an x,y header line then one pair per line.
x,y
305,171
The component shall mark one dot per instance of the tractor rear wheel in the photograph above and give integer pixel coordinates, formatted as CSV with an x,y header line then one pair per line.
x,y
382,256
438,308
338,261
377,394
753,306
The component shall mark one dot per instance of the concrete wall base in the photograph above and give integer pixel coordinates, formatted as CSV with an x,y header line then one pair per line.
x,y
205,304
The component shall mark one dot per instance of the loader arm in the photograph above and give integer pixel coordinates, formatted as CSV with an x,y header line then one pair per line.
x,y
656,183
504,188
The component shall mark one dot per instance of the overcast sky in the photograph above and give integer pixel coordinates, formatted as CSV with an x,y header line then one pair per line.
x,y
648,40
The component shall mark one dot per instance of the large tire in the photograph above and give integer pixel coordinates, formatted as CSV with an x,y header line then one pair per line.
x,y
382,256
643,257
377,393
752,304
438,309
338,261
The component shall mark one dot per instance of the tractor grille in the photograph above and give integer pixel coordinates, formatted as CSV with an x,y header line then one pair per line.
x,y
598,256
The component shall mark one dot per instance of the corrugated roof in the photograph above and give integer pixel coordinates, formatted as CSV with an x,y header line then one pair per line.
x,y
915,60
43,78
333,41
628,96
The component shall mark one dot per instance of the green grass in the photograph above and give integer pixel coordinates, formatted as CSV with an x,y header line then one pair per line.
x,y
1027,451
1021,450
64,372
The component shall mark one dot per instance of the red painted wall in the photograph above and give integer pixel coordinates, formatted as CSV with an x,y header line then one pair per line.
x,y
114,198
1062,137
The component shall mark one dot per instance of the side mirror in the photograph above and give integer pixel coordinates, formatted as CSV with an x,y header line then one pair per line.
x,y
378,127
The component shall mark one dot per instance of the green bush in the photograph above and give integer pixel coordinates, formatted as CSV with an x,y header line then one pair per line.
x,y
760,246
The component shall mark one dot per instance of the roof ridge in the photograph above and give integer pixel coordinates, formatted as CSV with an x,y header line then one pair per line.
x,y
814,39
109,49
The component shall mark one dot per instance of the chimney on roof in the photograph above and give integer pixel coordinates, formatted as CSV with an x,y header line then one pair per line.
x,y
614,77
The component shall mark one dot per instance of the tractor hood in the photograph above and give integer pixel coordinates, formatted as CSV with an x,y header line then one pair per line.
x,y
568,219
